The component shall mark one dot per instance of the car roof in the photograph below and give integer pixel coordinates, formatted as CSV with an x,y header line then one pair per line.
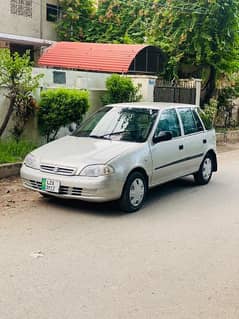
x,y
152,105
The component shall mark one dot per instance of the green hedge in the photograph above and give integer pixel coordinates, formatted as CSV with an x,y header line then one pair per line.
x,y
120,89
12,151
59,108
208,114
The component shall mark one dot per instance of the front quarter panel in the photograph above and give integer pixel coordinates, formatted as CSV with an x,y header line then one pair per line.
x,y
139,157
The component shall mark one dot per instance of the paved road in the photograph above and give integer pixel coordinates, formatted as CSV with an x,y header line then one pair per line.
x,y
178,258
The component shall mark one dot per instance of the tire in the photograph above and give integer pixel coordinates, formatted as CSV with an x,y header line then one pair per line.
x,y
134,193
203,176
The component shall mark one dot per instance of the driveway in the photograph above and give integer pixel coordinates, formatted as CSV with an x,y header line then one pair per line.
x,y
178,258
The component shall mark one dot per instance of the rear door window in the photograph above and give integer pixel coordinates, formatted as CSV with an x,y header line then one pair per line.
x,y
190,120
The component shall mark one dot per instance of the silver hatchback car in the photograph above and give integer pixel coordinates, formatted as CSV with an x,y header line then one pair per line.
x,y
123,150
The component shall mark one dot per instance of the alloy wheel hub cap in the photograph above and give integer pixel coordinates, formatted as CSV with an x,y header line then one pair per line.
x,y
136,193
207,168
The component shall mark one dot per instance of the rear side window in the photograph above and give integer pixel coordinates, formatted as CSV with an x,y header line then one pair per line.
x,y
198,121
190,120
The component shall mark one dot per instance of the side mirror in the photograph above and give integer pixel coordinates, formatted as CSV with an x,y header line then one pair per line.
x,y
162,137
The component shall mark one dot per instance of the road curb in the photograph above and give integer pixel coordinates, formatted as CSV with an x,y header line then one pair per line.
x,y
12,169
228,137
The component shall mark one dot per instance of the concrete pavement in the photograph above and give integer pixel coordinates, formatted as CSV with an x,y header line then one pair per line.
x,y
178,258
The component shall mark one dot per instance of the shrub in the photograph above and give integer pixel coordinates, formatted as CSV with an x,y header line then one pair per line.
x,y
59,108
14,151
120,89
208,115
226,97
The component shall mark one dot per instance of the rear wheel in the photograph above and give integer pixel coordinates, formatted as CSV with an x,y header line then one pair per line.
x,y
134,192
203,176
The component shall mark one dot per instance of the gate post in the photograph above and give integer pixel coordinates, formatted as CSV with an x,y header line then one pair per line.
x,y
198,83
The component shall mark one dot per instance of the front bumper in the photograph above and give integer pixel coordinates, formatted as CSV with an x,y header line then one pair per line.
x,y
93,189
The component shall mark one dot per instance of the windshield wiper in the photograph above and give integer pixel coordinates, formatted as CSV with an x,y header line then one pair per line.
x,y
114,133
107,135
99,136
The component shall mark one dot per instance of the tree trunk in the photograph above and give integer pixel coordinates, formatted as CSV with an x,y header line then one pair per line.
x,y
210,86
8,115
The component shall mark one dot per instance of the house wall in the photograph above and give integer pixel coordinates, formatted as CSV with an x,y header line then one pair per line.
x,y
32,26
94,82
91,81
146,84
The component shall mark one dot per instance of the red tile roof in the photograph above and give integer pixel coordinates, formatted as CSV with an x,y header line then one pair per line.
x,y
91,56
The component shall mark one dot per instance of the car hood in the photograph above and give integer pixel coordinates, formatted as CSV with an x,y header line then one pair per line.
x,y
80,151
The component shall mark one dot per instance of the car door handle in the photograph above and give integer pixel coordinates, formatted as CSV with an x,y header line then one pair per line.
x,y
181,147
204,141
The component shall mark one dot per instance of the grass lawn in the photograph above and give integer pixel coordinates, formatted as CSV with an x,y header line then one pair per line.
x,y
12,151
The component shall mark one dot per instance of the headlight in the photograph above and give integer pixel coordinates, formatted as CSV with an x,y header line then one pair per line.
x,y
97,170
30,161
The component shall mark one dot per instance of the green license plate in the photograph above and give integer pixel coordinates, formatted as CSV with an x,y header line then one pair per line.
x,y
50,185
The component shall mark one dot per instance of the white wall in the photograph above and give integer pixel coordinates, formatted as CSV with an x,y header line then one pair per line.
x,y
95,81
146,83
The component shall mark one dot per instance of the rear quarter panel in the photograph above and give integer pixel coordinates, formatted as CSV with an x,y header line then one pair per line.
x,y
211,140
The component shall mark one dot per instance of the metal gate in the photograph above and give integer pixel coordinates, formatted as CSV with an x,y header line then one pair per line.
x,y
180,92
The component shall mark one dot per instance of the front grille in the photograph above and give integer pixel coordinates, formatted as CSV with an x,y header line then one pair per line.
x,y
64,190
60,170
33,184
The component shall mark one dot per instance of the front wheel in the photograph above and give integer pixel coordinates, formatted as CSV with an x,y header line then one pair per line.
x,y
134,192
203,176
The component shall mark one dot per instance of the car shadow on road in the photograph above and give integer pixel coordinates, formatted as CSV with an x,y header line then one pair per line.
x,y
170,188
111,209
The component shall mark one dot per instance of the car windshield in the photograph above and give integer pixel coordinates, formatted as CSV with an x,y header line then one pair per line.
x,y
117,123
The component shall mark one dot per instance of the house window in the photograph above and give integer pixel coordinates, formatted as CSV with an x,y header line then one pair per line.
x,y
52,12
21,49
21,8
59,77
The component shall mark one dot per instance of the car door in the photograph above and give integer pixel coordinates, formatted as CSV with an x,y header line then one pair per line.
x,y
167,155
195,143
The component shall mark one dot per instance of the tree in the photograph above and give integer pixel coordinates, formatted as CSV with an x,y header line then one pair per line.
x,y
121,21
200,37
120,89
18,83
59,108
25,108
75,19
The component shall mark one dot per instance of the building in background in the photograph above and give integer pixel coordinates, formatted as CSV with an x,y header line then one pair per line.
x,y
29,18
28,25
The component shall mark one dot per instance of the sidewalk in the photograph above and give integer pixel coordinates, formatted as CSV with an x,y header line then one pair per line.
x,y
221,148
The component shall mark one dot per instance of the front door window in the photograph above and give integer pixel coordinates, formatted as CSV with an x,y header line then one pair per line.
x,y
169,122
